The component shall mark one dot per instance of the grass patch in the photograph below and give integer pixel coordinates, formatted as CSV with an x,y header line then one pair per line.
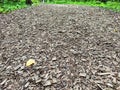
x,y
11,6
115,6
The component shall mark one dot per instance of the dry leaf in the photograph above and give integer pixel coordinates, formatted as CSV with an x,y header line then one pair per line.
x,y
30,62
115,30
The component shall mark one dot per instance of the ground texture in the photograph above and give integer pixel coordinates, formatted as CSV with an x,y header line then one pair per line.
x,y
75,48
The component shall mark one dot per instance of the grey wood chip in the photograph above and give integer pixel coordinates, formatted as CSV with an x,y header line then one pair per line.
x,y
76,87
47,83
84,60
108,89
17,67
99,87
39,80
52,88
24,57
73,51
54,58
22,67
107,73
47,88
35,77
118,88
20,72
109,84
54,80
3,82
46,76
27,84
119,74
82,74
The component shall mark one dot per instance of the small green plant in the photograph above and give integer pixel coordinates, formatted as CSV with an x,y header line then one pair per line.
x,y
1,10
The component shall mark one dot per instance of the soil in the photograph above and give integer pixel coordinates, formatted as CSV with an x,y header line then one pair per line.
x,y
74,47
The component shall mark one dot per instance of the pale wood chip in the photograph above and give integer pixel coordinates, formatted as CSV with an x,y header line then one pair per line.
x,y
54,58
27,84
118,88
107,73
39,80
82,74
99,87
47,83
109,84
108,89
3,82
54,80
119,74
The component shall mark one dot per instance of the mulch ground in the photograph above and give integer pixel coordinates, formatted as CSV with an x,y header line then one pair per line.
x,y
74,47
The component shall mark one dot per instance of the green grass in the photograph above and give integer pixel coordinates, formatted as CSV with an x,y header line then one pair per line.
x,y
11,6
115,6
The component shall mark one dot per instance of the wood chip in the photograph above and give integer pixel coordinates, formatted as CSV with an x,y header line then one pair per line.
x,y
119,74
108,73
17,67
73,51
54,58
97,81
47,83
46,76
47,88
3,82
82,74
52,88
38,81
27,84
54,80
108,89
99,87
76,87
114,80
118,88
109,84
84,60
